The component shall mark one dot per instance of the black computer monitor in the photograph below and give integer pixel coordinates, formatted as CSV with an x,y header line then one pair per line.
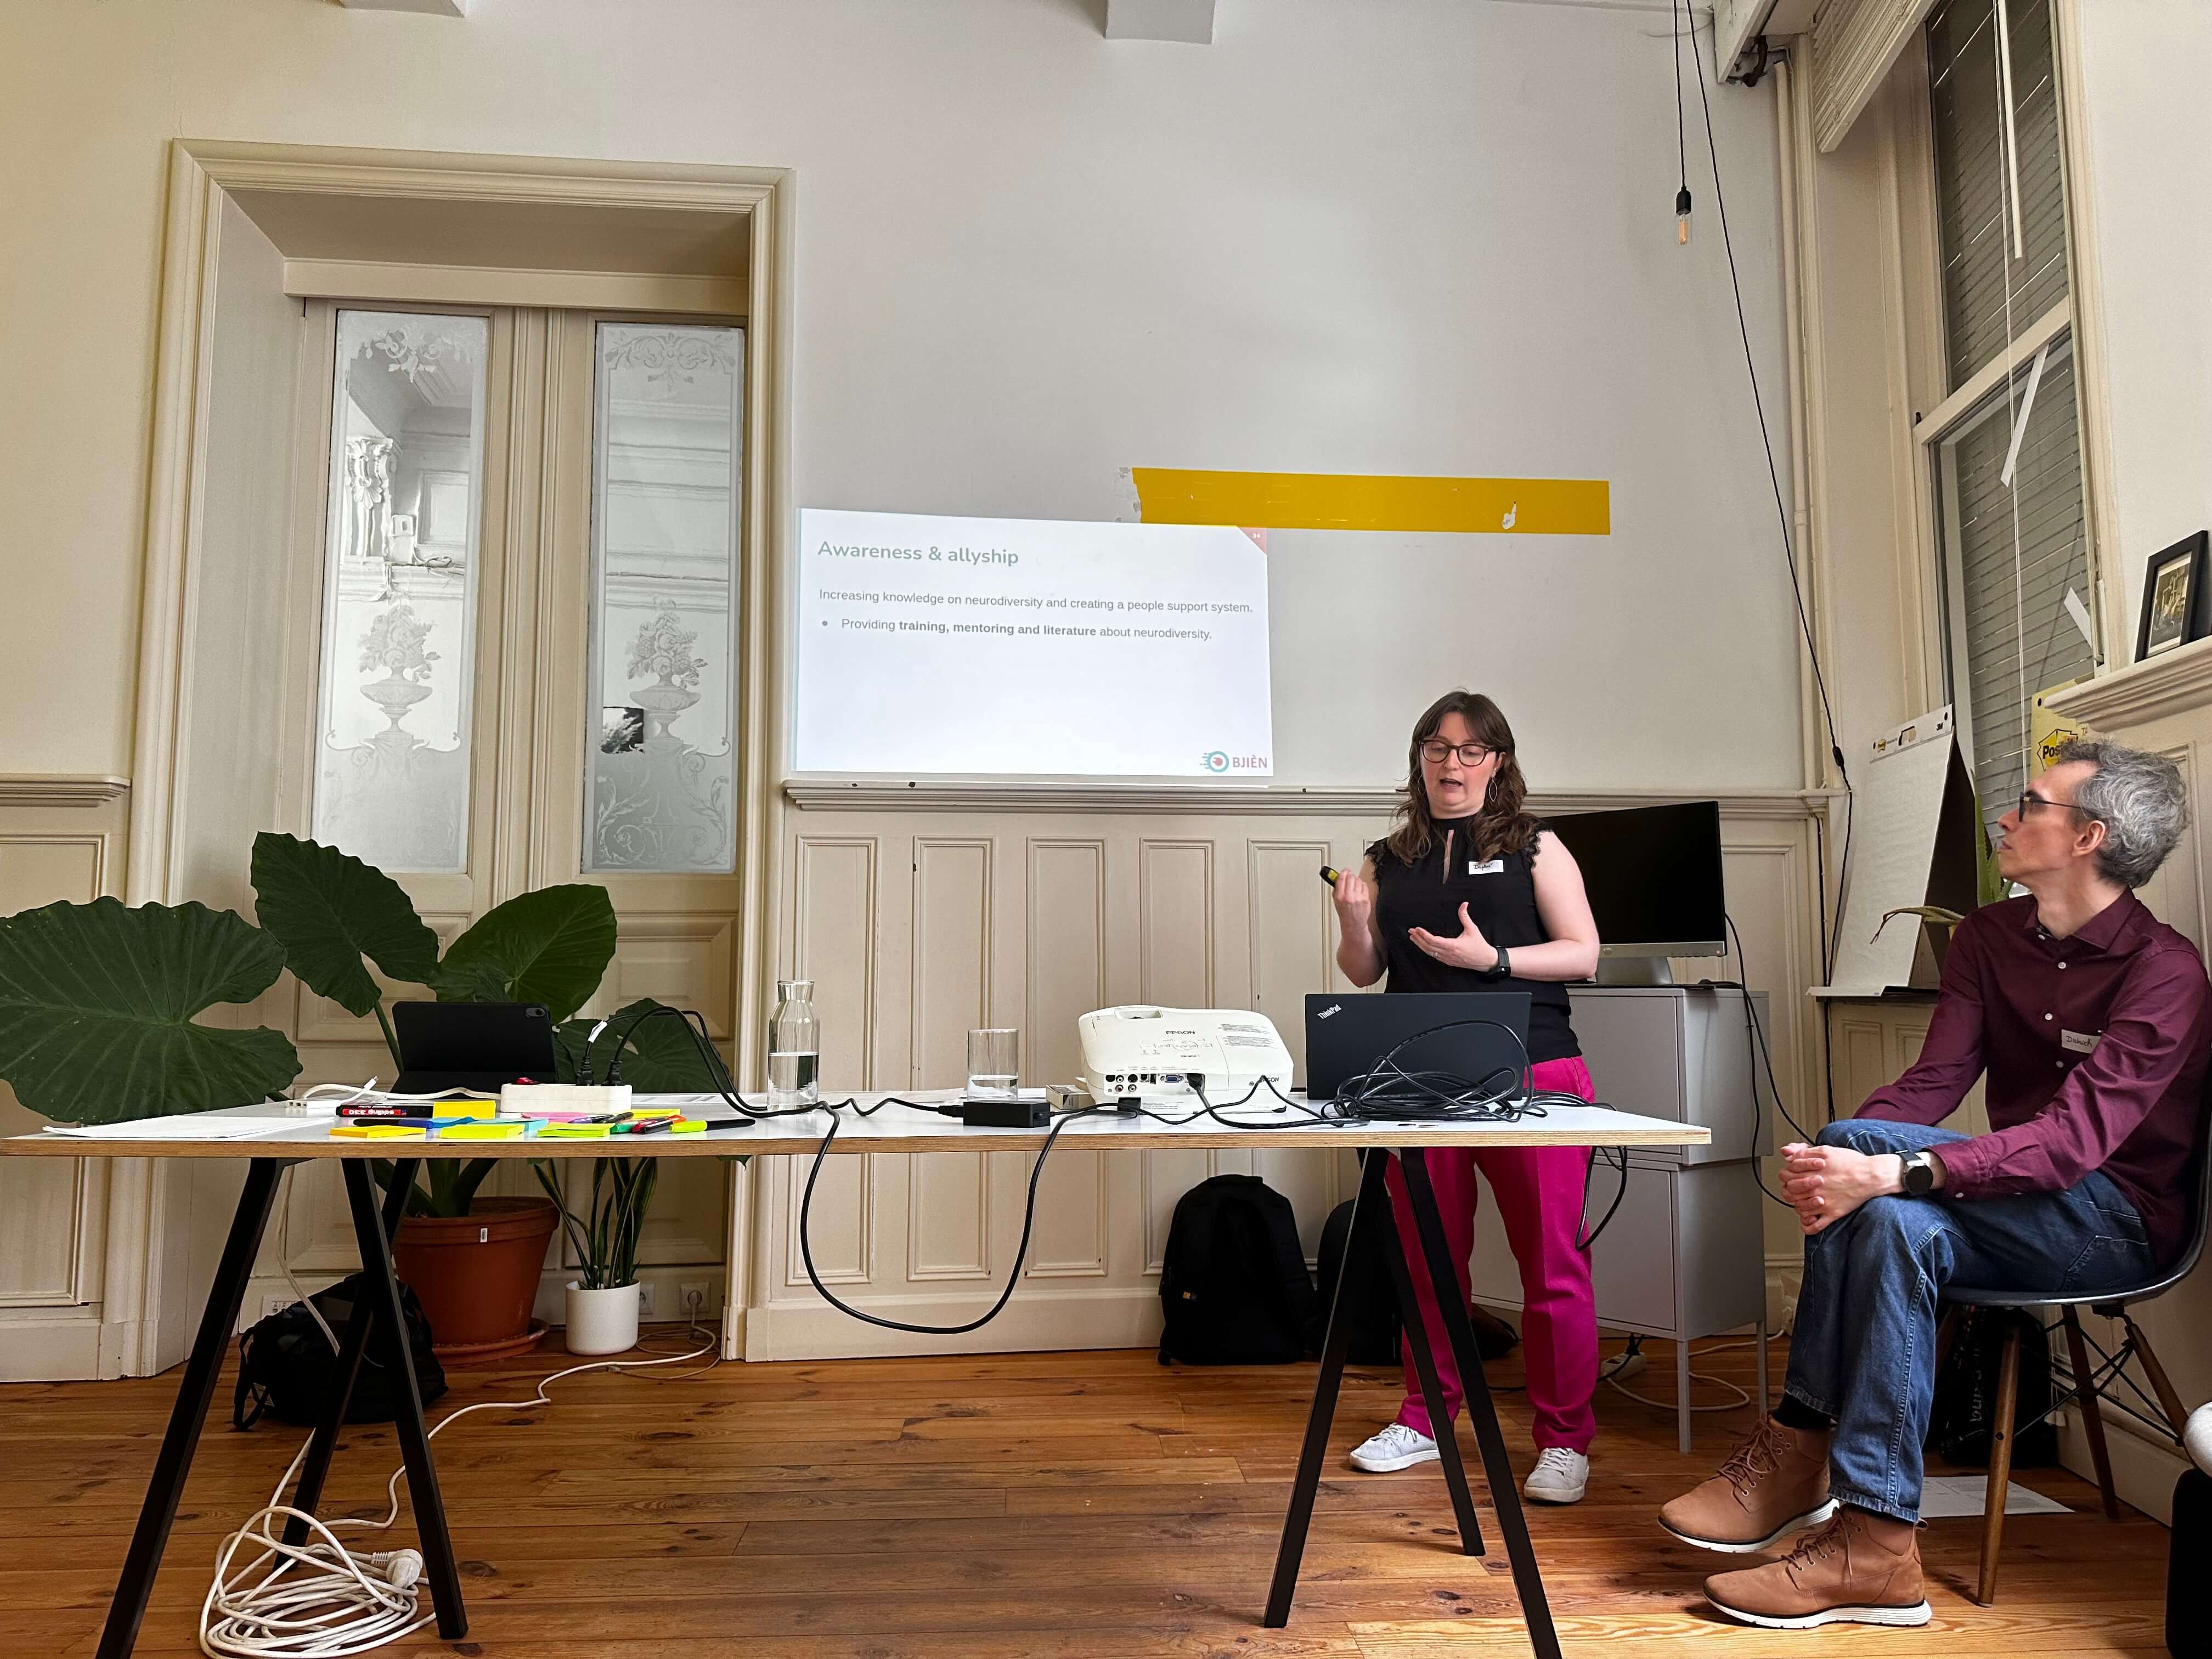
x,y
1653,874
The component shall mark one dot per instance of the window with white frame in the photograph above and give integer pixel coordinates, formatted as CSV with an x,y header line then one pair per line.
x,y
2018,588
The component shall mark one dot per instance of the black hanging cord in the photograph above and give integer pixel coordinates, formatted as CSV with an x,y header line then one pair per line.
x,y
1755,1045
1774,480
1681,127
1021,1250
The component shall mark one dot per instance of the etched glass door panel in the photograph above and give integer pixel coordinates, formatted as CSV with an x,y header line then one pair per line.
x,y
391,748
661,754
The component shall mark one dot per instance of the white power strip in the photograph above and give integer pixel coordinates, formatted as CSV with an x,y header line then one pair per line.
x,y
564,1097
1626,1363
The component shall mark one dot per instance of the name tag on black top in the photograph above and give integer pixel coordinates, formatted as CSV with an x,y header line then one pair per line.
x,y
1489,869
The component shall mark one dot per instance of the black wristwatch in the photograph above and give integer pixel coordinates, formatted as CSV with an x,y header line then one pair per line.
x,y
1502,969
1919,1177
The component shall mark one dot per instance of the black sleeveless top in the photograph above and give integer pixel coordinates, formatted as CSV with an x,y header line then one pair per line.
x,y
1501,898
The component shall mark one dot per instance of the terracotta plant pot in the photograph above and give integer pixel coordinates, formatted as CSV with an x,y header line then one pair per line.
x,y
477,1274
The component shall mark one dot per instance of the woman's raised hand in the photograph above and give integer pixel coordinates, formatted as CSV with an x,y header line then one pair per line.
x,y
1354,897
1468,950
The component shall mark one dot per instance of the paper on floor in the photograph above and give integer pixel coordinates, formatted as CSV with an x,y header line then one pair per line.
x,y
1943,1497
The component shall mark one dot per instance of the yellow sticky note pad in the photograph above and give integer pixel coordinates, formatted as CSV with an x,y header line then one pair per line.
x,y
575,1132
474,1107
377,1132
482,1132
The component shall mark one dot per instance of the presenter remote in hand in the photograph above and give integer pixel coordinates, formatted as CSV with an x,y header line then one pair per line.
x,y
1470,893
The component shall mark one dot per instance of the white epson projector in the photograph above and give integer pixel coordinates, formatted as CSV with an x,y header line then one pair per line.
x,y
1139,1054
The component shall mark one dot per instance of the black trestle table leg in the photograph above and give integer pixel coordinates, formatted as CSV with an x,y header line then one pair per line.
x,y
1425,1366
389,1332
308,1495
1323,1414
1482,1414
218,1320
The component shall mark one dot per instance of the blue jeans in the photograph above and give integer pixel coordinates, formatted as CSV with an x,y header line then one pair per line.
x,y
1863,1351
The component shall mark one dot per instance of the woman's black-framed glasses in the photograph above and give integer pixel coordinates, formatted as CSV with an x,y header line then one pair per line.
x,y
1436,751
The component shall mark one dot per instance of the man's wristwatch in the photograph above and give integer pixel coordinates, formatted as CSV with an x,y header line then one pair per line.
x,y
1502,969
1919,1177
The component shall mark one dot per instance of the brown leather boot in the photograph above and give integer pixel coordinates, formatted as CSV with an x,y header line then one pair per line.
x,y
1772,1484
1860,1569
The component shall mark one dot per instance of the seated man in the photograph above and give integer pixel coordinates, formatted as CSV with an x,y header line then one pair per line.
x,y
2093,1021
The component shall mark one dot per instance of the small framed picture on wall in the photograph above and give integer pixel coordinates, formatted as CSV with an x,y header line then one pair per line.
x,y
2175,604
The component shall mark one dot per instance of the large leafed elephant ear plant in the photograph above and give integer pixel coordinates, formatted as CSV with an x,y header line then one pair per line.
x,y
99,1005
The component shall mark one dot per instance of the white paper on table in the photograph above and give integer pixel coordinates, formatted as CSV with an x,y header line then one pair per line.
x,y
189,1125
1949,1497
1895,815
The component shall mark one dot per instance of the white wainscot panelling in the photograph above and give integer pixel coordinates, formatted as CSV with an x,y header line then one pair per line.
x,y
948,1199
60,841
1067,956
917,924
686,961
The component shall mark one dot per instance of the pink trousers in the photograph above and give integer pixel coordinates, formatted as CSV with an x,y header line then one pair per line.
x,y
1540,1193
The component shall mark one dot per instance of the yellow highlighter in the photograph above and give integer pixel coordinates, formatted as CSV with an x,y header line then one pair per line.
x,y
688,1126
377,1132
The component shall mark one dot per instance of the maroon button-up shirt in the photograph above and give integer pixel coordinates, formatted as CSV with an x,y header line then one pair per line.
x,y
2096,1048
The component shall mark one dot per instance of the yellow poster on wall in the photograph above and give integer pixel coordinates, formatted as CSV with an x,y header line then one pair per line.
x,y
2047,730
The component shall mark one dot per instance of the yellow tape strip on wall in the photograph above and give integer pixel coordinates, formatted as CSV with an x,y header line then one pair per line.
x,y
1328,500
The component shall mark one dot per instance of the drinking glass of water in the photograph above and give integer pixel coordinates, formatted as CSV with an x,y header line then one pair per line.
x,y
994,1064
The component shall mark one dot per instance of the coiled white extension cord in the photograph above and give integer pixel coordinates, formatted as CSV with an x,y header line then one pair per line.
x,y
319,1600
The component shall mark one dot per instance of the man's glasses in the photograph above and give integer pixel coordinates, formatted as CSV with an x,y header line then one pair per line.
x,y
2029,800
1437,751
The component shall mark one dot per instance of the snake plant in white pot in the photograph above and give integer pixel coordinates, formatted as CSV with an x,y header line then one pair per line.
x,y
603,1304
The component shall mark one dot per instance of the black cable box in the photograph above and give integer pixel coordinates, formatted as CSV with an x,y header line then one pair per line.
x,y
1005,1113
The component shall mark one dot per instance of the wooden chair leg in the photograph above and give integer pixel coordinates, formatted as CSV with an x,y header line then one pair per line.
x,y
1947,1333
2000,1465
2168,1401
2093,1419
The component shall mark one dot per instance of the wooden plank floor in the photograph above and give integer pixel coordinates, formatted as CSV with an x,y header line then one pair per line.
x,y
1052,1505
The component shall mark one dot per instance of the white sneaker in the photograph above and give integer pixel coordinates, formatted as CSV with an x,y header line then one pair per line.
x,y
1396,1448
1559,1477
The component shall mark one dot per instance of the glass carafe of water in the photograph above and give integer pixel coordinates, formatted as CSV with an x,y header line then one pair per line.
x,y
794,1046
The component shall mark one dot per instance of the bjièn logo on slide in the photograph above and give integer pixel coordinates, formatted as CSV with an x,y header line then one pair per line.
x,y
1216,760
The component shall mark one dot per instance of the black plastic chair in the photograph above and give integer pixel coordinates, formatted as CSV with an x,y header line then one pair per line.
x,y
2087,1384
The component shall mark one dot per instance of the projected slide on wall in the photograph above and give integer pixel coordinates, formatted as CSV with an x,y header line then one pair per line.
x,y
1031,647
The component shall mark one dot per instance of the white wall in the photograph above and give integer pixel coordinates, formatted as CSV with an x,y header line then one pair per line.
x,y
2146,205
1434,236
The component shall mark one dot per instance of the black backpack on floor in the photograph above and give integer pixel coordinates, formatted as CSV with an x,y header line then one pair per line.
x,y
287,1369
1368,1303
1966,1403
1234,1287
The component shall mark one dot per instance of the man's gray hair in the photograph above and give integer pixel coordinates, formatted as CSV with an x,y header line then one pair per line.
x,y
2139,798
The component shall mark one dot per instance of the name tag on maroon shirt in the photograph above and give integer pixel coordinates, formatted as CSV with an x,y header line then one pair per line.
x,y
2082,1043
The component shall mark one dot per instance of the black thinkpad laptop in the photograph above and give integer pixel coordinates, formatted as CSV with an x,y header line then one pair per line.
x,y
1346,1036
471,1045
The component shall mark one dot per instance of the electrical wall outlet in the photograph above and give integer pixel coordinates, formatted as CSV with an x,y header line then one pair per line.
x,y
276,1302
645,1298
696,1295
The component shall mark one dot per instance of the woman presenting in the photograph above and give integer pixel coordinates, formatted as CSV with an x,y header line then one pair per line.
x,y
1470,893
